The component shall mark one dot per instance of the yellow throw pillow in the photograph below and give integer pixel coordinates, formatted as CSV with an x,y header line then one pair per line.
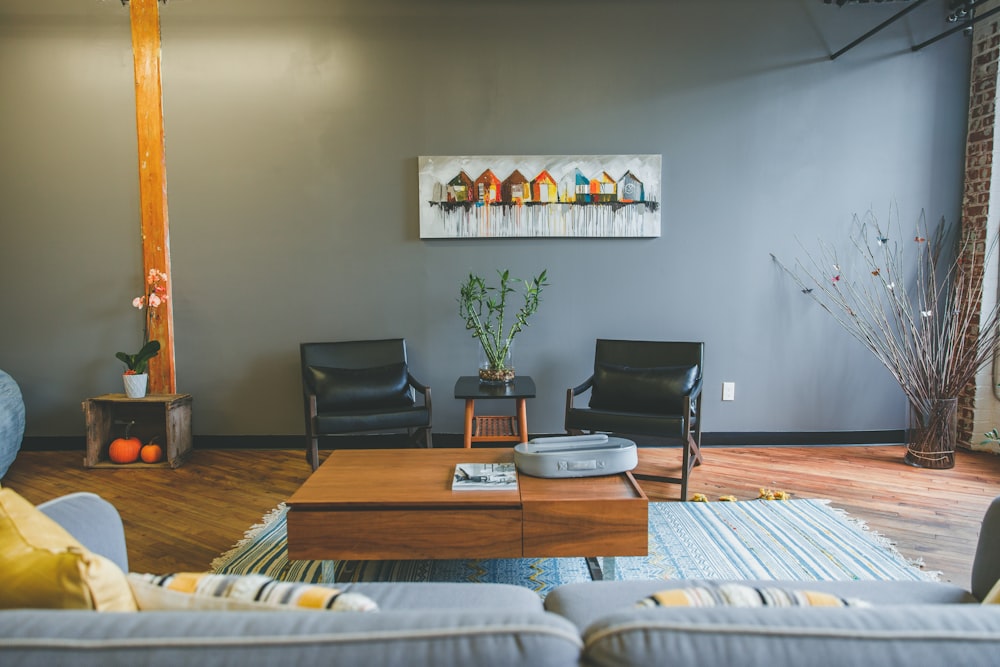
x,y
993,597
741,595
44,567
235,592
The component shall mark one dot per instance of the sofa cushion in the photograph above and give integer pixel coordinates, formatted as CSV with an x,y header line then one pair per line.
x,y
233,592
414,638
658,390
93,521
897,635
339,389
741,595
437,595
585,602
43,567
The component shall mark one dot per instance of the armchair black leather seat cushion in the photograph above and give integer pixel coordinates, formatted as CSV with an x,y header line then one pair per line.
x,y
623,423
359,387
644,388
359,421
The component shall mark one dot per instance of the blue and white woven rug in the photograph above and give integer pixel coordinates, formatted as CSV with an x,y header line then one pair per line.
x,y
790,540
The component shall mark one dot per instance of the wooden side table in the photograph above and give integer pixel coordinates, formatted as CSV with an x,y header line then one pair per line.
x,y
495,428
167,417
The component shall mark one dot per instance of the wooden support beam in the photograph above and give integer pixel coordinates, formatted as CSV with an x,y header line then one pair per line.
x,y
145,19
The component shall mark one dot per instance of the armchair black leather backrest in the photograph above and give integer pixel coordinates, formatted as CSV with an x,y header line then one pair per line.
x,y
645,376
354,353
646,354
348,375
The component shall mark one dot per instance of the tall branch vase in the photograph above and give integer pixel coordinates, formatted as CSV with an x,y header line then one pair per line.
x,y
932,435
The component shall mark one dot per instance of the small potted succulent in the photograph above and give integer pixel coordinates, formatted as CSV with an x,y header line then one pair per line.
x,y
484,310
135,376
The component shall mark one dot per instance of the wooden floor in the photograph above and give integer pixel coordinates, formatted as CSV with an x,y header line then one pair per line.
x,y
179,520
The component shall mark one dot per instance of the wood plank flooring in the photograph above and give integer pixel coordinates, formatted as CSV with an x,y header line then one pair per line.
x,y
179,520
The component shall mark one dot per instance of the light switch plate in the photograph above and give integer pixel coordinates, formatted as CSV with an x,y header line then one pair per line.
x,y
729,391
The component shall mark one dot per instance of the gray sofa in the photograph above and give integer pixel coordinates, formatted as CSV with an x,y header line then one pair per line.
x,y
596,623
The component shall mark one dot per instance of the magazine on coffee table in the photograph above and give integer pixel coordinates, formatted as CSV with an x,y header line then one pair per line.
x,y
484,476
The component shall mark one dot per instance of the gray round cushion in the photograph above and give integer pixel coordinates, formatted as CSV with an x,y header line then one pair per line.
x,y
11,421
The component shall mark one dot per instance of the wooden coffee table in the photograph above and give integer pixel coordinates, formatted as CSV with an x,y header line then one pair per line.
x,y
397,504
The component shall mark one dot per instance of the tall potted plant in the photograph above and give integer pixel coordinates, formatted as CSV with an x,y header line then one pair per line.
x,y
913,299
484,309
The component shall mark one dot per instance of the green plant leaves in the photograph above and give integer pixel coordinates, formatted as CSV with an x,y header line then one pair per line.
x,y
483,308
139,361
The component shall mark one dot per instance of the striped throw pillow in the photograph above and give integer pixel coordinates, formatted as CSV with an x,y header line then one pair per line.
x,y
234,592
741,595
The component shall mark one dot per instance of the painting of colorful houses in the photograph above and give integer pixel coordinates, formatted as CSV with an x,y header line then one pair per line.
x,y
525,196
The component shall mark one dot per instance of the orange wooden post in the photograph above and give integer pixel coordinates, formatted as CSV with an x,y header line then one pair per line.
x,y
145,19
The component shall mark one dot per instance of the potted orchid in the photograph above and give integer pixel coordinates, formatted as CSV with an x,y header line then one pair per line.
x,y
136,365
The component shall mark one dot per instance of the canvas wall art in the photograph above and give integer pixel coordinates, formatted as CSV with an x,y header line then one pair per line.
x,y
539,195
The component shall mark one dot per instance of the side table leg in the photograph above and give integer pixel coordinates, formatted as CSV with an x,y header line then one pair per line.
x,y
470,408
522,419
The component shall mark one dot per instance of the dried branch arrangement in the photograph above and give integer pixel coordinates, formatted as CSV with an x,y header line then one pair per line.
x,y
913,300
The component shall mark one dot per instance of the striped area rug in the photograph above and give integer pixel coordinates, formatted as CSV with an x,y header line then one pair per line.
x,y
790,540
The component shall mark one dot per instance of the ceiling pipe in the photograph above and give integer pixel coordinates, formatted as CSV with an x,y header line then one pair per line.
x,y
967,24
877,28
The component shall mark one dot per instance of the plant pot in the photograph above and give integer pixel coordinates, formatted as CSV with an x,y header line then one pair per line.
x,y
135,385
932,434
494,373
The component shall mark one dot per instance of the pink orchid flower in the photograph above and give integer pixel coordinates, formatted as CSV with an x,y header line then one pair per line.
x,y
155,275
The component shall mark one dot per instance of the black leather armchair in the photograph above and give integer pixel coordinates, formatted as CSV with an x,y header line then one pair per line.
x,y
358,387
645,388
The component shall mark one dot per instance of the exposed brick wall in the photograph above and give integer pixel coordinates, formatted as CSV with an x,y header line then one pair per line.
x,y
978,181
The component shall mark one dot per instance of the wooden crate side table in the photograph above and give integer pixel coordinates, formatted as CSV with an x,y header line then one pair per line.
x,y
166,417
492,428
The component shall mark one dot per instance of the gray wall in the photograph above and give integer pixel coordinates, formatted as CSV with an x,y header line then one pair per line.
x,y
293,130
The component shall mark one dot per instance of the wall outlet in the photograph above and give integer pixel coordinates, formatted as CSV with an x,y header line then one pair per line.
x,y
729,391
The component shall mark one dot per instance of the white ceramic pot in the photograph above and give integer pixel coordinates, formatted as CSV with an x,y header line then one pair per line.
x,y
135,385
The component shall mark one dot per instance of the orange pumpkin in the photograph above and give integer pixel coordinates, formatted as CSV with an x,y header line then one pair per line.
x,y
151,453
124,450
